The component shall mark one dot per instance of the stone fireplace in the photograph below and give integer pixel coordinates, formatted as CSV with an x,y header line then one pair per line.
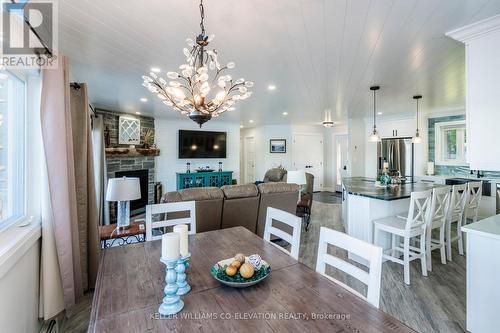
x,y
124,160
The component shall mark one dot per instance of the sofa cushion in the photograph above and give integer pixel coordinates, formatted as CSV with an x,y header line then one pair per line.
x,y
172,197
201,193
277,187
240,191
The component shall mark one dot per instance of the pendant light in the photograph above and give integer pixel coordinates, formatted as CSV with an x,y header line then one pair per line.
x,y
374,136
417,138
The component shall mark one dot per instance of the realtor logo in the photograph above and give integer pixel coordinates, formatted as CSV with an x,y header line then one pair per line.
x,y
29,34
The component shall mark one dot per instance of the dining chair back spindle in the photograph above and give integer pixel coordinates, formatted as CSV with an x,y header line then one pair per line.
x,y
176,210
290,220
371,253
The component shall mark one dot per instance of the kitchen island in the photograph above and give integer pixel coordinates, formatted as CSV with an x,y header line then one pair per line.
x,y
363,202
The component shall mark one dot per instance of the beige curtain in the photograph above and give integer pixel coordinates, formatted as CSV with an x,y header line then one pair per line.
x,y
67,144
100,171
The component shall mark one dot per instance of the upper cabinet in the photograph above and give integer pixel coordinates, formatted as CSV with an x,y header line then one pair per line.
x,y
396,128
482,54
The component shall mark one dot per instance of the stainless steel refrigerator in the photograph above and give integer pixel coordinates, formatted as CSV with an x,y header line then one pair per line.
x,y
398,153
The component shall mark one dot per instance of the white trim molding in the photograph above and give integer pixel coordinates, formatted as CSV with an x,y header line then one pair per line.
x,y
475,30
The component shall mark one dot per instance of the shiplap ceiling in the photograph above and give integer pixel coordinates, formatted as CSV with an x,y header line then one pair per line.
x,y
320,54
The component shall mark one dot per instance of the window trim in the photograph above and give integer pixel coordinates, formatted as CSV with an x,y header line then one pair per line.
x,y
438,140
22,218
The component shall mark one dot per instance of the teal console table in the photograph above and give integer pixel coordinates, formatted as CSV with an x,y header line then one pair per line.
x,y
204,179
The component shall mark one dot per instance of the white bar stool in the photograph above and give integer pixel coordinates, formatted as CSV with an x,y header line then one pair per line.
x,y
455,215
414,226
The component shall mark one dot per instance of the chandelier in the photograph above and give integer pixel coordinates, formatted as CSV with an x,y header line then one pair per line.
x,y
202,90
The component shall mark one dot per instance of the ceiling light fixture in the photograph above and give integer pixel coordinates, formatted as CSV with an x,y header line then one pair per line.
x,y
380,113
328,123
143,99
417,138
200,91
250,121
155,69
137,112
374,136
271,87
285,113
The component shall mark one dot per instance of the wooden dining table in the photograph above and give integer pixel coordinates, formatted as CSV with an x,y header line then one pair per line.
x,y
293,298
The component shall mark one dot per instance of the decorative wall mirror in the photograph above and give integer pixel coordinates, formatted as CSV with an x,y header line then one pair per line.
x,y
129,131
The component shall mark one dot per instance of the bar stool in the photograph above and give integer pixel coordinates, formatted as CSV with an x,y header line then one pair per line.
x,y
413,226
474,195
437,220
455,215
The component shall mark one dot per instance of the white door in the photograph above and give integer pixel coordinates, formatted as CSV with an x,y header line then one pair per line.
x,y
307,154
249,159
340,159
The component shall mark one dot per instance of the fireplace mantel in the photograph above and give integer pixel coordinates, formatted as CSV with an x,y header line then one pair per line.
x,y
132,152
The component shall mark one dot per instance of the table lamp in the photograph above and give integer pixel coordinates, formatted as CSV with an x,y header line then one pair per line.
x,y
123,190
297,177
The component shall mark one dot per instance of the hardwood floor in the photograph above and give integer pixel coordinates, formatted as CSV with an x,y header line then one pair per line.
x,y
430,304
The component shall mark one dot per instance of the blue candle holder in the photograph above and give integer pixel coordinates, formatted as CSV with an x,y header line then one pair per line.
x,y
182,266
172,303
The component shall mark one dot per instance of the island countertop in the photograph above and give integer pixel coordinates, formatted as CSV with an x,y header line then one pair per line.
x,y
366,187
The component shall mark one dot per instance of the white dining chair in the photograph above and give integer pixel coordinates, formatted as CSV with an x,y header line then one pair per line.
x,y
371,253
455,215
474,195
172,208
438,211
289,219
413,226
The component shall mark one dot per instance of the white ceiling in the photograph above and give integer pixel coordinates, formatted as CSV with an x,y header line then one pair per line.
x,y
319,53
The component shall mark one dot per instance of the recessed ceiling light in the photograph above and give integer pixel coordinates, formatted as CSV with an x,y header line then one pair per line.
x,y
250,121
137,112
285,113
271,87
241,126
379,113
155,69
143,99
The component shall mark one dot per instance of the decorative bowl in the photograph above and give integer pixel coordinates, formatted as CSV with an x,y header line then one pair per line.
x,y
205,170
237,281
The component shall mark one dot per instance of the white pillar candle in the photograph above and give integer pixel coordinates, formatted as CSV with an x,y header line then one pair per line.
x,y
182,230
170,246
386,166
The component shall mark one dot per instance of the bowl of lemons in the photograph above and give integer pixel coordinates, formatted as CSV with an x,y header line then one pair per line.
x,y
241,271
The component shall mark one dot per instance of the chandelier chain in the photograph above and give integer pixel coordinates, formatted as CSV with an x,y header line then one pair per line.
x,y
202,14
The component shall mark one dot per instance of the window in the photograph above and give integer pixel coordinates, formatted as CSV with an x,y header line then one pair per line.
x,y
12,148
451,143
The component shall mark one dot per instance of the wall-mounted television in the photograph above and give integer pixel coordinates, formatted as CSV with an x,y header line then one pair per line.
x,y
202,144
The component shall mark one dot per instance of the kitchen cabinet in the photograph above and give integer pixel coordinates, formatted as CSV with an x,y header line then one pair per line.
x,y
483,274
396,128
482,58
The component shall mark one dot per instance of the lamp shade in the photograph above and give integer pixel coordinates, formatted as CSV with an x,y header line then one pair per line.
x,y
123,189
296,177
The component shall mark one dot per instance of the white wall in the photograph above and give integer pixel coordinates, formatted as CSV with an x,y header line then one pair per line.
x,y
329,154
264,160
357,143
19,289
168,163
